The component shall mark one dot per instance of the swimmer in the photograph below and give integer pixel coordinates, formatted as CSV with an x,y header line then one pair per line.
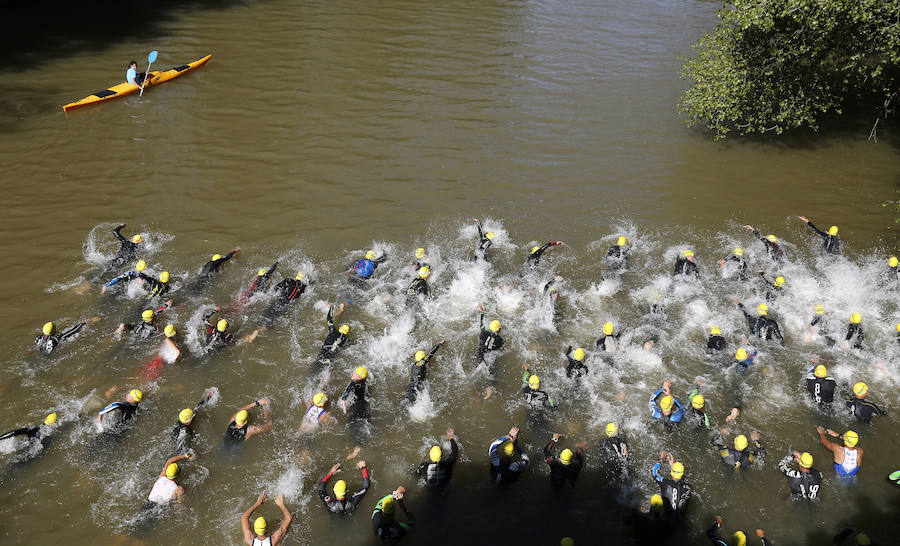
x,y
355,399
686,265
334,339
665,407
50,339
128,248
316,414
438,469
847,457
820,385
258,536
761,325
736,257
365,268
576,367
339,503
166,488
773,249
831,242
490,338
239,429
565,467
485,240
861,408
115,415
675,490
384,522
806,481
534,256
418,373
743,454
508,461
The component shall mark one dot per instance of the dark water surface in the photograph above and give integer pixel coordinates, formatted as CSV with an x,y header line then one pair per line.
x,y
320,130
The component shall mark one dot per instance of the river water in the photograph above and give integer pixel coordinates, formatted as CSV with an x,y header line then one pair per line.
x,y
320,130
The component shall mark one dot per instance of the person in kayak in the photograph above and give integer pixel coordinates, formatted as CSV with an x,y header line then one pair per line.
x,y
238,428
820,385
258,536
831,242
861,408
335,339
134,77
139,268
115,415
716,342
855,335
260,282
28,435
165,489
847,457
340,504
384,522
564,469
365,268
576,367
437,470
50,339
806,481
502,452
418,372
609,339
355,398
773,249
286,292
675,490
210,269
128,248
534,256
761,325
819,326
665,407
737,258
490,338
742,454
686,265
485,240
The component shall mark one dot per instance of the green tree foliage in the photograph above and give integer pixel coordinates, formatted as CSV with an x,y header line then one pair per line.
x,y
775,65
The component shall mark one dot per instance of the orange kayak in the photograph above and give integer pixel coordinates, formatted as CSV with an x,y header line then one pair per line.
x,y
154,77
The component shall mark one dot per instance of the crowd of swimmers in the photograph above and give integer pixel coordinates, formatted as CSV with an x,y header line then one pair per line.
x,y
506,458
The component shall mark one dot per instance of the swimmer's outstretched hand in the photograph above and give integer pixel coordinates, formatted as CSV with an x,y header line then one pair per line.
x,y
279,500
335,469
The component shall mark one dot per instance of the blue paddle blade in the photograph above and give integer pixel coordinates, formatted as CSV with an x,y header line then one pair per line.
x,y
152,56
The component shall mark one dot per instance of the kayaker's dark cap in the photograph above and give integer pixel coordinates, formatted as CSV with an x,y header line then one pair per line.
x,y
132,63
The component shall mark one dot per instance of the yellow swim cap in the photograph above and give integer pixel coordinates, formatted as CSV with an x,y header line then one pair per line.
x,y
687,253
762,308
779,281
677,471
136,395
186,416
578,354
48,328
860,389
738,251
608,328
740,442
424,272
140,265
611,430
262,272
340,489
567,541
656,501
566,457
534,382
821,371
222,325
740,539
806,460
772,238
164,276
819,310
697,402
893,262
420,356
216,257
420,253
851,438
494,326
535,249
833,230
344,329
259,526
370,255
387,505
137,239
740,354
299,276
241,418
666,403
435,454
856,318
898,326
50,420
622,241
489,234
863,539
507,449
172,471
319,399
362,372
169,330
715,331
147,315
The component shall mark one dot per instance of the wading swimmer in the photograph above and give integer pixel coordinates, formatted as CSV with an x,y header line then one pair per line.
x,y
239,428
259,535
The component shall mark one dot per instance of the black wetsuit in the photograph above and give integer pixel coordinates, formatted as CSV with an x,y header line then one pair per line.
x,y
214,338
417,375
182,437
143,330
831,243
535,257
804,485
386,527
614,449
488,341
347,505
716,541
772,249
209,270
602,341
48,344
675,494
737,459
683,266
286,292
823,330
715,344
862,409
821,389
762,326
261,282
126,252
617,253
576,368
535,398
357,397
235,435
334,340
772,292
119,414
418,286
740,264
561,474
483,242
438,474
156,287
855,336
29,432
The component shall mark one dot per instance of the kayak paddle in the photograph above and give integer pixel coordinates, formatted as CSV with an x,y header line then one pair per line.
x,y
150,58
